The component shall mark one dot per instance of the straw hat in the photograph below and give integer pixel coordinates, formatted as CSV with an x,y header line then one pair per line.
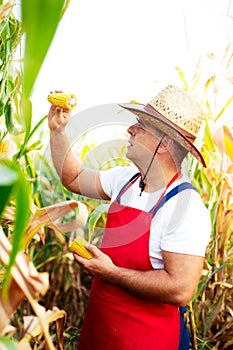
x,y
174,112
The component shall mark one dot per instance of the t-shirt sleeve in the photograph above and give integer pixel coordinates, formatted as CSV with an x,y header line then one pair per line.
x,y
188,227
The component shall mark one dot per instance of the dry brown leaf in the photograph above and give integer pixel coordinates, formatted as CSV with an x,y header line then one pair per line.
x,y
33,325
7,307
25,346
9,330
48,215
5,8
26,281
73,225
218,137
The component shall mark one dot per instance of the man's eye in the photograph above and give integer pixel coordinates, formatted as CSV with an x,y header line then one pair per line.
x,y
141,127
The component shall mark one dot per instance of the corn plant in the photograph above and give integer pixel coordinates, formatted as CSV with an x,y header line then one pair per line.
x,y
210,316
20,218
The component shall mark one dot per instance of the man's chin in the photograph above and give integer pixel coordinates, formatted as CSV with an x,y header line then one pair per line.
x,y
131,158
128,155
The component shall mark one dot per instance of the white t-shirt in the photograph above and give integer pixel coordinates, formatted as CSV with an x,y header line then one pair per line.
x,y
181,225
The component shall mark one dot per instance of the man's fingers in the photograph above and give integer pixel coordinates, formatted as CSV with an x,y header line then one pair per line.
x,y
59,114
79,258
93,249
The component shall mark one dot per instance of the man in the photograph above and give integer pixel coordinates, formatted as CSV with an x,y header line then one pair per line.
x,y
157,230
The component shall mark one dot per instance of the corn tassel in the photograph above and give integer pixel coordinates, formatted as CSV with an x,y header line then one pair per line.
x,y
60,99
78,246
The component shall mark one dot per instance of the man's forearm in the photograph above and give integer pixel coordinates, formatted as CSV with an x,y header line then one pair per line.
x,y
154,285
175,284
65,162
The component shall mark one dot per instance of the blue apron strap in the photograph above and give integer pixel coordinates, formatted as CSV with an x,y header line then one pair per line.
x,y
184,343
172,193
134,177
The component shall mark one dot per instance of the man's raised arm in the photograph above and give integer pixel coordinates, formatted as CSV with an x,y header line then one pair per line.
x,y
73,176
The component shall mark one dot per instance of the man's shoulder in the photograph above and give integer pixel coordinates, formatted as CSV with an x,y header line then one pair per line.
x,y
187,194
121,172
114,178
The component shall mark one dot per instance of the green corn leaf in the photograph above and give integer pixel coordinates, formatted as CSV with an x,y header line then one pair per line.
x,y
40,20
214,213
18,187
206,184
94,217
182,78
8,178
37,126
227,104
26,107
208,138
9,120
1,108
228,140
212,274
15,32
229,148
7,343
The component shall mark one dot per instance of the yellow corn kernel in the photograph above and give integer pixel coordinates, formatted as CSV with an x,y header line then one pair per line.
x,y
78,246
4,149
60,99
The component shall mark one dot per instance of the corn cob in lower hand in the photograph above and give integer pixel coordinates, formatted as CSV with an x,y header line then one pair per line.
x,y
60,99
78,246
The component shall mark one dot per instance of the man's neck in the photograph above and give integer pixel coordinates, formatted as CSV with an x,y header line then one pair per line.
x,y
158,178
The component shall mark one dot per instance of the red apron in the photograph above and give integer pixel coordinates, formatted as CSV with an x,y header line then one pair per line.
x,y
115,319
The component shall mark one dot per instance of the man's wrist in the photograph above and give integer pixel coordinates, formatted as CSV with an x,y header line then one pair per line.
x,y
57,132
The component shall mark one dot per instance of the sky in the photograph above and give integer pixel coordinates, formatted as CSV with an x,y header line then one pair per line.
x,y
116,51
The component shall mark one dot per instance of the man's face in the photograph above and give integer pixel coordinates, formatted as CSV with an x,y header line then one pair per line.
x,y
142,142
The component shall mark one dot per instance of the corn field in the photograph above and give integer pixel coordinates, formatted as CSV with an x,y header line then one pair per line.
x,y
38,217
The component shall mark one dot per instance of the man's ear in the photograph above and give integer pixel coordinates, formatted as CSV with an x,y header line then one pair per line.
x,y
166,144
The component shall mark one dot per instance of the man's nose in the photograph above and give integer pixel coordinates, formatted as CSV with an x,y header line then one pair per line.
x,y
132,129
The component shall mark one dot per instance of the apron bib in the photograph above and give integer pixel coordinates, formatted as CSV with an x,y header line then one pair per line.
x,y
116,319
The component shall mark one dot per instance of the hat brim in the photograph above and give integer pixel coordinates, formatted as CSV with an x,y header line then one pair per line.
x,y
163,124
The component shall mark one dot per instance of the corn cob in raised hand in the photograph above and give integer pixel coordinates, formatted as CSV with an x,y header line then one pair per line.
x,y
60,99
78,246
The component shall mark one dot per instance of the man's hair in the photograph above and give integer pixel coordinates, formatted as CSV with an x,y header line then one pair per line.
x,y
179,152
